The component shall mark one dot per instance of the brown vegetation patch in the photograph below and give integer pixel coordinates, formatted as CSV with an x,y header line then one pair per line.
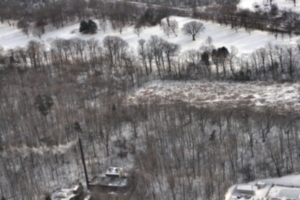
x,y
249,97
73,31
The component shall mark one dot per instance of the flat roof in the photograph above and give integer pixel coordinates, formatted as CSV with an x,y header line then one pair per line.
x,y
287,192
245,187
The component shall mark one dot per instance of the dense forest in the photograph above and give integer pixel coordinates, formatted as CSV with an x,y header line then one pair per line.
x,y
79,88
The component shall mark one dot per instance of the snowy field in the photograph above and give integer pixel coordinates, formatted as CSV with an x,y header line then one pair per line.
x,y
257,95
265,4
222,36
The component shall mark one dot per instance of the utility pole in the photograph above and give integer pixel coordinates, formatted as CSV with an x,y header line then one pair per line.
x,y
78,129
83,162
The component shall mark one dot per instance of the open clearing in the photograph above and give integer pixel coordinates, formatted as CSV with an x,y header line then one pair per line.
x,y
256,95
246,42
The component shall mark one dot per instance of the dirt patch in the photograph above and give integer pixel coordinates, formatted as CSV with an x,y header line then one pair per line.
x,y
74,31
249,97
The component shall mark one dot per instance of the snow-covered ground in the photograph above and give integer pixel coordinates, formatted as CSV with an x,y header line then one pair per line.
x,y
256,95
287,187
222,36
265,4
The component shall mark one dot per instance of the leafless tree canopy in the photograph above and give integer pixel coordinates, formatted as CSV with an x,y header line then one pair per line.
x,y
193,28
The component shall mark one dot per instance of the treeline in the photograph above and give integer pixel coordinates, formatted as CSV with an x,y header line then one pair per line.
x,y
188,3
35,17
280,23
155,58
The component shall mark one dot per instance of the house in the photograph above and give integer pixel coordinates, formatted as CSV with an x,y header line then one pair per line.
x,y
74,193
115,181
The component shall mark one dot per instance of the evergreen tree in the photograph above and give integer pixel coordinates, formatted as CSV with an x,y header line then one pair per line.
x,y
83,27
89,27
77,127
43,103
47,196
92,27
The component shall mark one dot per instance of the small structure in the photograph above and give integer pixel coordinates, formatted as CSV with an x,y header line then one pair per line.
x,y
260,185
115,182
243,192
69,194
245,189
115,172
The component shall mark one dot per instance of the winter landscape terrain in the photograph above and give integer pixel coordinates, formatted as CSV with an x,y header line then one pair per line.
x,y
245,41
188,124
265,4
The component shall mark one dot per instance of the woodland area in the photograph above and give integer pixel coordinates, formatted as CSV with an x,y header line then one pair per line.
x,y
178,148
80,88
34,16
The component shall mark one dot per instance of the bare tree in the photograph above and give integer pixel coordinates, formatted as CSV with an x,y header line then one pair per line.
x,y
170,26
155,48
24,25
193,28
166,28
174,26
231,57
279,52
137,30
170,51
142,51
262,56
290,50
103,24
34,50
116,48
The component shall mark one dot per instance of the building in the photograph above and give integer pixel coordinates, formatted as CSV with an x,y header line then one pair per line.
x,y
114,182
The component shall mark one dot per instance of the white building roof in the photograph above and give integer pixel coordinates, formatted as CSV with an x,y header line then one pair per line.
x,y
244,188
114,171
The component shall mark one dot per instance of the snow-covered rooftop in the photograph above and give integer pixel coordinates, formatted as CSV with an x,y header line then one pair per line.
x,y
287,187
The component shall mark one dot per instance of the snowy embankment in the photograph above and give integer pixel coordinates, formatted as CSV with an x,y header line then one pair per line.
x,y
255,95
222,36
265,4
